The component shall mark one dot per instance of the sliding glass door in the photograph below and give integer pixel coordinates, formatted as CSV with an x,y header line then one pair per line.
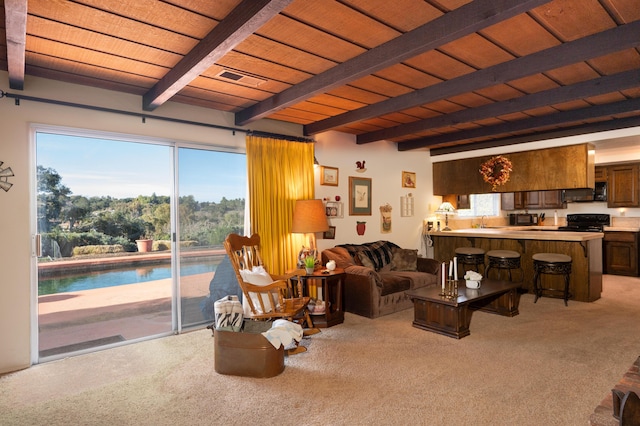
x,y
211,188
129,245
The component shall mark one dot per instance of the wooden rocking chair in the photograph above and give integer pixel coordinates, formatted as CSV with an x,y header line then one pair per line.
x,y
269,296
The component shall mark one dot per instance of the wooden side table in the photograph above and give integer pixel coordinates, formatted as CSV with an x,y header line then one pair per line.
x,y
331,284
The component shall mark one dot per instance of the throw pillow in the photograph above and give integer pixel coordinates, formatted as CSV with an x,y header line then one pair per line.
x,y
404,259
340,255
256,276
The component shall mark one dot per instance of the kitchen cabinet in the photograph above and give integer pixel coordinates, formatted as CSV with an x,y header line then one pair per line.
x,y
532,200
623,185
459,201
620,253
512,201
601,174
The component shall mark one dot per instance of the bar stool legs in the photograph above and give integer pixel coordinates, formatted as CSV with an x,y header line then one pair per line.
x,y
552,264
503,259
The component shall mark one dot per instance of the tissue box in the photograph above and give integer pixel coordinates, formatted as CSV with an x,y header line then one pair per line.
x,y
246,354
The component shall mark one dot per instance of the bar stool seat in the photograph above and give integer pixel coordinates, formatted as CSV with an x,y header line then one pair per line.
x,y
503,259
552,264
470,256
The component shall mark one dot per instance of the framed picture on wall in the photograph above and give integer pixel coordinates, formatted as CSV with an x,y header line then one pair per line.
x,y
329,176
408,180
330,234
359,196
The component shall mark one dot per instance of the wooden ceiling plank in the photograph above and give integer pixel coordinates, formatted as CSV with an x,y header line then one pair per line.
x,y
243,21
16,30
558,119
595,87
465,20
620,38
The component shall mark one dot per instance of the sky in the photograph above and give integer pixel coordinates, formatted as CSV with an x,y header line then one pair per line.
x,y
101,167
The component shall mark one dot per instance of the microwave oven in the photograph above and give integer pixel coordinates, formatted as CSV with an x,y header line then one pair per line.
x,y
523,219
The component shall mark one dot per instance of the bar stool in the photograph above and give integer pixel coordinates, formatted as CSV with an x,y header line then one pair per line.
x,y
553,264
503,259
470,256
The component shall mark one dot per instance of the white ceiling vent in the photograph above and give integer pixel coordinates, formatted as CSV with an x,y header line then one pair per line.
x,y
237,77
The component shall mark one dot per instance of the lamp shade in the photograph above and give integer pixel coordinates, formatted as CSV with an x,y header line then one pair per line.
x,y
309,216
447,208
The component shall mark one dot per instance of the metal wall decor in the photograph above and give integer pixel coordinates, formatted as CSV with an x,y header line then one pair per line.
x,y
5,174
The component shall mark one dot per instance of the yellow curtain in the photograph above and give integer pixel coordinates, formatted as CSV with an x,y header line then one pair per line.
x,y
279,173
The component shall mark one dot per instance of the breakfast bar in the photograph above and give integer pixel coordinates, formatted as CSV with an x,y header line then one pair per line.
x,y
584,248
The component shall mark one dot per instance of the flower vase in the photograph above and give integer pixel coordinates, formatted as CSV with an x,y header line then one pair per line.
x,y
361,227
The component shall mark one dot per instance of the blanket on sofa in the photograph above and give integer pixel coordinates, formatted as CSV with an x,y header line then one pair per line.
x,y
380,253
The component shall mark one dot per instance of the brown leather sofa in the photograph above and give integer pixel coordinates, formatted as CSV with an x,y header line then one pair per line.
x,y
378,274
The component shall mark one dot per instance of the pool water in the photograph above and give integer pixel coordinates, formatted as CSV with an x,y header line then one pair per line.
x,y
112,278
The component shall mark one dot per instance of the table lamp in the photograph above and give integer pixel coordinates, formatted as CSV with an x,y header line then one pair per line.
x,y
446,208
309,217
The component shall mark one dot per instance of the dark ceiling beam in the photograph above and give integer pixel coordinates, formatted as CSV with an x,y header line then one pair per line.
x,y
15,12
241,22
529,124
583,129
609,41
585,89
462,21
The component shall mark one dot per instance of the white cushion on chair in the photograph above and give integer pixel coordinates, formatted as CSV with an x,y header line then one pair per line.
x,y
257,276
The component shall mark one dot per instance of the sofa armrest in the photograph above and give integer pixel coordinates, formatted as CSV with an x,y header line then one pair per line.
x,y
361,290
430,266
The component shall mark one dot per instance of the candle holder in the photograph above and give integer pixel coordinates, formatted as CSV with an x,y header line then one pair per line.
x,y
451,289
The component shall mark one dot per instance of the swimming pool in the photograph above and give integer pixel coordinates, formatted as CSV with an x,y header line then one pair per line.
x,y
121,276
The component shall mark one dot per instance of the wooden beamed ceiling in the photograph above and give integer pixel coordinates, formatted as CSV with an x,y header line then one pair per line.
x,y
448,75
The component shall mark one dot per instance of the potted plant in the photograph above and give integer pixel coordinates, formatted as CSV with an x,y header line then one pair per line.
x,y
309,264
144,244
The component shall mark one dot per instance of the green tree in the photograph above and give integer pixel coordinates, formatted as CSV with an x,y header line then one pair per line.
x,y
52,197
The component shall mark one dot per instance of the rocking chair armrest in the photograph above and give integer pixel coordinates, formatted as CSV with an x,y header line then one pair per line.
x,y
280,285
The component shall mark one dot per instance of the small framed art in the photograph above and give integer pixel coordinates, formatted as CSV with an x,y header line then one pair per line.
x,y
408,180
329,176
359,196
330,234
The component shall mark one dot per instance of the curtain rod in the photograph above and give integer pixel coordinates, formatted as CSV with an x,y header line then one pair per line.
x,y
18,98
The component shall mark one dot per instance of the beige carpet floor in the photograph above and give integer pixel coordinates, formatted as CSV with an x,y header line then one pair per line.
x,y
551,365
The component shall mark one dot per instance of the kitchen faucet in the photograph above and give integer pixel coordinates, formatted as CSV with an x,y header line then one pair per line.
x,y
482,221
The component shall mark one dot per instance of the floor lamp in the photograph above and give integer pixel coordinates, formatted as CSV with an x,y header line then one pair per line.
x,y
309,217
446,208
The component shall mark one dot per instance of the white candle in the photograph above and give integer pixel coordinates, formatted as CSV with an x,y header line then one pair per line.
x,y
443,270
450,268
455,268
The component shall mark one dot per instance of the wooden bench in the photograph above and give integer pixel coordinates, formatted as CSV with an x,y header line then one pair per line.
x,y
603,414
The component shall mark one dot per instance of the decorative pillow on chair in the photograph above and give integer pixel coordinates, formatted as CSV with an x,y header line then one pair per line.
x,y
257,276
404,260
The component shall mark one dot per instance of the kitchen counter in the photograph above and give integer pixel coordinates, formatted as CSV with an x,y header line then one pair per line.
x,y
622,229
544,233
584,248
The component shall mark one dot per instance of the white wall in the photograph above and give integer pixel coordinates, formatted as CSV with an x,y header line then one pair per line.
x,y
15,151
384,164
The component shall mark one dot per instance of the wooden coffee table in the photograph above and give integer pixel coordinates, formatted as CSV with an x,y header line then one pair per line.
x,y
452,317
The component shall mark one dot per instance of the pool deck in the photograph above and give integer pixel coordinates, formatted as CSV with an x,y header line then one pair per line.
x,y
131,311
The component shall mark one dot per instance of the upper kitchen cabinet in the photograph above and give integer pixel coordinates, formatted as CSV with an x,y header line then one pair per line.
x,y
512,201
460,201
563,167
532,200
623,185
544,200
601,174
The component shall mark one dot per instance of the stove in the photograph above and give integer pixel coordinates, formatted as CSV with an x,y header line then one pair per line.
x,y
586,222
